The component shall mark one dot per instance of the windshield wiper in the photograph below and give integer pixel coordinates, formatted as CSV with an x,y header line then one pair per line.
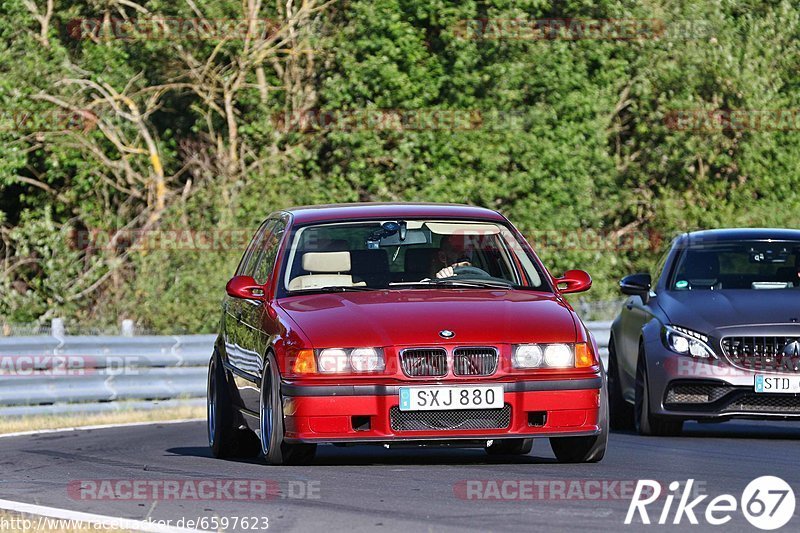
x,y
454,283
335,288
472,283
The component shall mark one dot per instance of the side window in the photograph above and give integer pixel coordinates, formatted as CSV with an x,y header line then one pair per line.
x,y
247,264
269,252
660,267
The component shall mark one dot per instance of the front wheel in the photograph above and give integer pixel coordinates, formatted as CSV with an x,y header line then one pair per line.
x,y
621,412
585,449
275,450
227,437
646,422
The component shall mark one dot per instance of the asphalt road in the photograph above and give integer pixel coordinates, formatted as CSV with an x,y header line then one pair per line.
x,y
368,488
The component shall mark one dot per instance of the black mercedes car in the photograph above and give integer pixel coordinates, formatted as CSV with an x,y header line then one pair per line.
x,y
713,334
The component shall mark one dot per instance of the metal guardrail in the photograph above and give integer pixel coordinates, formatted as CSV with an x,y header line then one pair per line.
x,y
57,371
60,373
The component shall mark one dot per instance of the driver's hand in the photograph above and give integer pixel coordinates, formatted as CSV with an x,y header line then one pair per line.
x,y
447,272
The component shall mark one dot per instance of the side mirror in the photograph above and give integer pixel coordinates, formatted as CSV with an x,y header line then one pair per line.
x,y
574,281
636,285
244,287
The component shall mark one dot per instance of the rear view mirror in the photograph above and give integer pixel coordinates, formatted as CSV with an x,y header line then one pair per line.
x,y
636,285
574,281
403,237
773,256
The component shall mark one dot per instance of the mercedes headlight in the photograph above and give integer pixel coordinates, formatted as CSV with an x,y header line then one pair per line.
x,y
687,342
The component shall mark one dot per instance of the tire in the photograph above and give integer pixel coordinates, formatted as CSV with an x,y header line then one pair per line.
x,y
585,449
227,436
510,447
645,421
620,410
275,450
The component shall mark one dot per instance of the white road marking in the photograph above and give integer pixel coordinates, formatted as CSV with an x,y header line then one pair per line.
x,y
101,426
78,518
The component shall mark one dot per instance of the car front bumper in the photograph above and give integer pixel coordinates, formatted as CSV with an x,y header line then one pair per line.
x,y
370,413
706,389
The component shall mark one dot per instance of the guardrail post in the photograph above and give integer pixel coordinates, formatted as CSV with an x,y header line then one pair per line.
x,y
127,328
57,328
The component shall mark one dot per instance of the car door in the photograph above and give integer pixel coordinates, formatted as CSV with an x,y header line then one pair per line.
x,y
257,325
635,314
233,308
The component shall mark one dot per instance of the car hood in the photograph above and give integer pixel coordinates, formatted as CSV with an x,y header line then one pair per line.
x,y
709,310
415,317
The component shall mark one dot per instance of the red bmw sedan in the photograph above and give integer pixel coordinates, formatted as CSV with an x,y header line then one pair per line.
x,y
401,324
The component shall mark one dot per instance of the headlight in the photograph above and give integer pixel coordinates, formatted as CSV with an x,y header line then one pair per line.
x,y
559,356
332,360
343,360
366,360
687,342
528,356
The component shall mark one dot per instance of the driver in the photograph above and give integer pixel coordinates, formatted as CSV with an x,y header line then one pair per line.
x,y
453,253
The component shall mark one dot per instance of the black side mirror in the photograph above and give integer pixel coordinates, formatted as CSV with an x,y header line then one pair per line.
x,y
636,285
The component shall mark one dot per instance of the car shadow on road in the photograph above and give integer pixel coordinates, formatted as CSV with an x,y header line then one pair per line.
x,y
376,455
737,429
744,430
362,455
205,451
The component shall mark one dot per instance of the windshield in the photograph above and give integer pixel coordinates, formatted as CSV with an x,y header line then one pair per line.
x,y
739,265
403,254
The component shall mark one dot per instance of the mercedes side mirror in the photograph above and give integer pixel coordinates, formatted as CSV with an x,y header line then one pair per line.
x,y
636,285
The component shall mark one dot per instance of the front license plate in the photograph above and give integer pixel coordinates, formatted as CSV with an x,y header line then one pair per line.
x,y
777,384
458,397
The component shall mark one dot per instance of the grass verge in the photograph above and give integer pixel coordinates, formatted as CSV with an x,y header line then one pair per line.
x,y
124,416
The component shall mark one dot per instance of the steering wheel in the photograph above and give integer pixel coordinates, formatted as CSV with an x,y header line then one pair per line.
x,y
470,271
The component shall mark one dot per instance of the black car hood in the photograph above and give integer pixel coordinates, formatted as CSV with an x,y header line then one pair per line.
x,y
709,310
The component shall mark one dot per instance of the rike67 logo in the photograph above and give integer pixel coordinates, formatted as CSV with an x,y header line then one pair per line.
x,y
767,502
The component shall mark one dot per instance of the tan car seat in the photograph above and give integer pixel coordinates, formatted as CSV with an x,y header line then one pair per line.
x,y
326,269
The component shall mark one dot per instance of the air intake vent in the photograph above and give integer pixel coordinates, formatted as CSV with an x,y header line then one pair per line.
x,y
417,362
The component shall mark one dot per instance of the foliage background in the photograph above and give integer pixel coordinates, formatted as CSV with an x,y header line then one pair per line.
x,y
106,133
